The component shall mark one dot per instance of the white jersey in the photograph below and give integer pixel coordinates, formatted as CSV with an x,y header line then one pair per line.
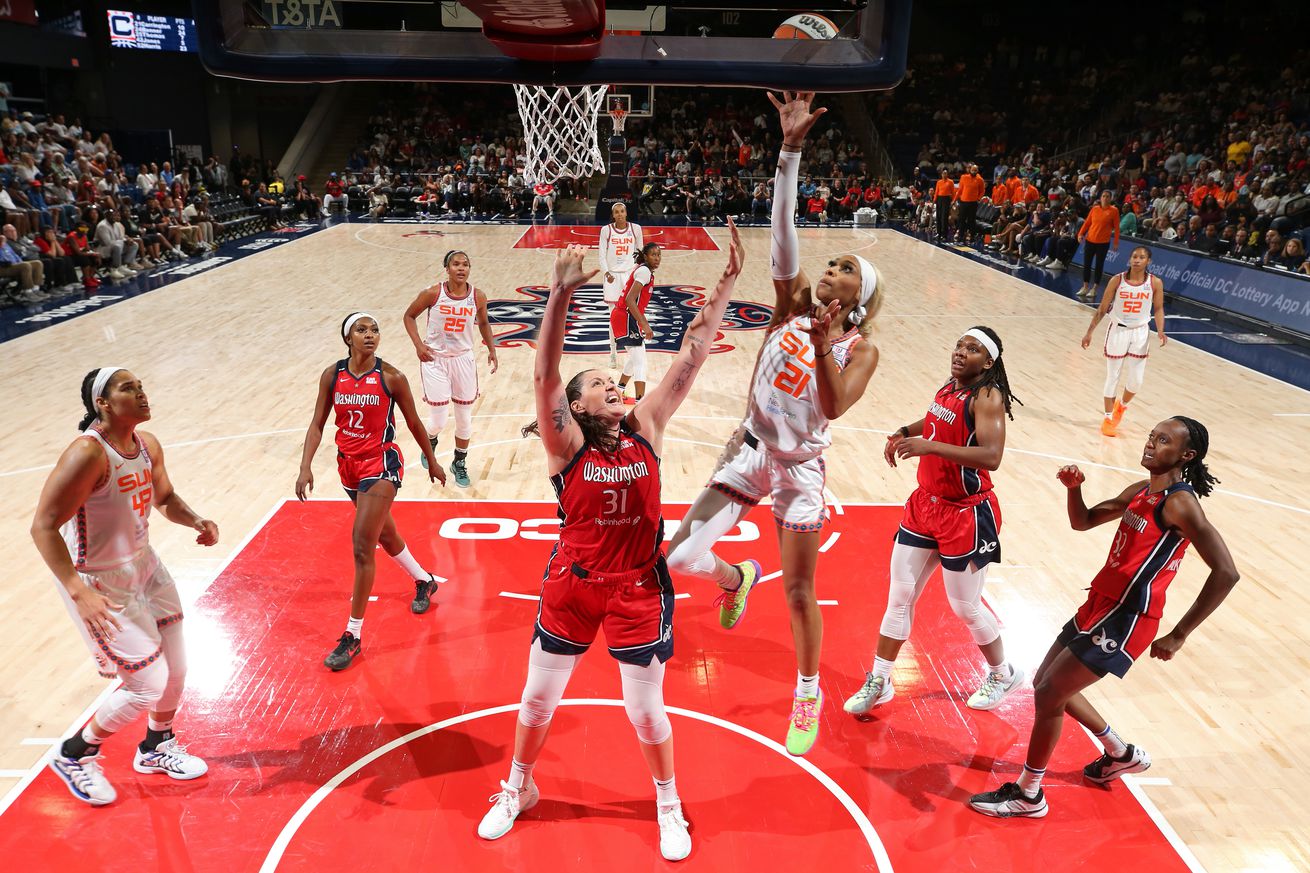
x,y
1132,306
452,322
112,527
784,409
618,248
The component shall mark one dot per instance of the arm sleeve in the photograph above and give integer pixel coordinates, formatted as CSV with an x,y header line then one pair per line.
x,y
636,233
603,249
784,248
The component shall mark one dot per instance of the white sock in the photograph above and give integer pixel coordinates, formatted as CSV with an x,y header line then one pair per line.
x,y
1109,415
158,725
807,686
1114,746
1030,780
666,792
355,627
409,565
520,774
1003,668
882,668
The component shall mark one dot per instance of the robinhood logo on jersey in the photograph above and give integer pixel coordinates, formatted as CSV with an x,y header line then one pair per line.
x,y
672,307
70,309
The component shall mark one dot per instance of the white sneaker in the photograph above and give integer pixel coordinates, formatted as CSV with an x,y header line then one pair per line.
x,y
117,274
505,808
1043,262
170,757
874,692
1057,266
84,779
675,840
995,688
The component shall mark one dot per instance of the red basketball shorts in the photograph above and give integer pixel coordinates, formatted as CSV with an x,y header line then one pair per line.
x,y
961,533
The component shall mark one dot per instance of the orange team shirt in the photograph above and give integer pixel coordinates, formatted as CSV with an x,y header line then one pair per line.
x,y
1013,185
1000,194
1100,223
1027,194
945,188
972,188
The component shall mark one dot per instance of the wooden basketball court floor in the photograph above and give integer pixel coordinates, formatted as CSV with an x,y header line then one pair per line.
x,y
390,762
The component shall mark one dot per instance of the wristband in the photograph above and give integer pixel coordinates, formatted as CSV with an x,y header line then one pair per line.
x,y
825,354
903,431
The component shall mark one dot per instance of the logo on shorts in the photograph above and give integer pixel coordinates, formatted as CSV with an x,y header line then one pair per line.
x,y
672,307
667,633
987,548
1105,644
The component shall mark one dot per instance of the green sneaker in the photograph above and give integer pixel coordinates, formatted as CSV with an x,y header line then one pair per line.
x,y
424,460
461,474
803,729
732,604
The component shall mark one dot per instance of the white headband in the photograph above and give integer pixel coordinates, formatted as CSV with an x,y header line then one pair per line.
x,y
869,279
103,375
987,342
350,322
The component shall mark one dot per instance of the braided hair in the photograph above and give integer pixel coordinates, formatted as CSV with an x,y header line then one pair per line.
x,y
995,377
89,402
1195,472
595,433
640,256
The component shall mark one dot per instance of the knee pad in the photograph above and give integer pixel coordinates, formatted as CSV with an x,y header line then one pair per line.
x,y
643,700
1113,366
897,621
437,417
463,421
141,690
978,618
548,676
690,558
1134,370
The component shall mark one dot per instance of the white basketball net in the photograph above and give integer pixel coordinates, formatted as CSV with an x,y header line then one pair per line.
x,y
559,131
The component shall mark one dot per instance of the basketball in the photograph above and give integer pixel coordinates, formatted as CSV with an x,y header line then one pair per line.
x,y
807,25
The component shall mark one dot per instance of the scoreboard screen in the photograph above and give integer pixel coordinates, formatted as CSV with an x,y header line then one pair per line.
x,y
154,32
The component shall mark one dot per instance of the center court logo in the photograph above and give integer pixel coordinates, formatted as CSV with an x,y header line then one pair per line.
x,y
672,307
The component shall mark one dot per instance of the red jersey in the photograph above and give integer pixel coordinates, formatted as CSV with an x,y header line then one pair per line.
x,y
1144,556
641,277
609,506
365,410
950,420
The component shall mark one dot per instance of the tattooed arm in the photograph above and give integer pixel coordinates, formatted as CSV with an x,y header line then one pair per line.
x,y
559,432
653,413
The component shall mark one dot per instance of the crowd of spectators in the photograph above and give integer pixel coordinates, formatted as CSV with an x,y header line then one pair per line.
x,y
1219,167
75,213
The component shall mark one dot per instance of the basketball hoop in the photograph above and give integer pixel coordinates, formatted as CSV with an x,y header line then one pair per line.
x,y
617,115
559,131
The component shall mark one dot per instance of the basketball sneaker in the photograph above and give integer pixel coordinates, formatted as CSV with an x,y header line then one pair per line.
x,y
874,692
1118,414
459,470
505,808
732,604
1106,769
1009,801
1107,427
345,652
423,590
84,778
995,688
432,441
170,757
675,840
803,729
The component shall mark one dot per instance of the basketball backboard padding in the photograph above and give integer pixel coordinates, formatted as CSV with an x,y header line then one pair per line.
x,y
874,61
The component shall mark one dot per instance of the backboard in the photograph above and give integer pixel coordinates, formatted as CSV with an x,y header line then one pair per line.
x,y
555,42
